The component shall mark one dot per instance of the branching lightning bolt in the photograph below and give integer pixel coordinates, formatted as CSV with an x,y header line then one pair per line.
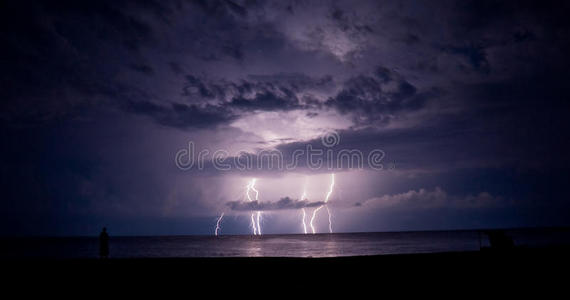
x,y
255,225
218,224
324,205
256,217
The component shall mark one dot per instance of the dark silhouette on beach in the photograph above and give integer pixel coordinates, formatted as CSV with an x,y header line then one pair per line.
x,y
104,244
499,240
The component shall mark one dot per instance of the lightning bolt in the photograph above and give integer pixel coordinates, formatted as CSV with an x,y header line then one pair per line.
x,y
324,205
258,219
218,224
313,218
304,224
303,197
255,225
330,222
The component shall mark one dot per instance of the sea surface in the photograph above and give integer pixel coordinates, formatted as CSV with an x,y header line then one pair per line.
x,y
290,245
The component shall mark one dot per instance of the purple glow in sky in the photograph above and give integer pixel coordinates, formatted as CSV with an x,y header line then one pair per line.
x,y
465,101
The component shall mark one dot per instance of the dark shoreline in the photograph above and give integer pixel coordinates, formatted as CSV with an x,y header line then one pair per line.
x,y
542,270
465,263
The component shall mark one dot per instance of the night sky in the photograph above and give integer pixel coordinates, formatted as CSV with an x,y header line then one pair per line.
x,y
468,100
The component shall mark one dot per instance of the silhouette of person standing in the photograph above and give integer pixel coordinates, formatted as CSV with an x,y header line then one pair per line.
x,y
104,244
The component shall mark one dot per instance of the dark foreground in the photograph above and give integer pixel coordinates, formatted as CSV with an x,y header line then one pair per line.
x,y
517,270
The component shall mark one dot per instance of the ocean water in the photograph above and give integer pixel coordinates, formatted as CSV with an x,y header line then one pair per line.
x,y
291,245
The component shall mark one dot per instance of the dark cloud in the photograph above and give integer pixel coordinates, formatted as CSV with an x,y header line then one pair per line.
x,y
282,204
197,86
60,54
348,23
437,198
179,115
222,8
142,68
66,56
473,100
378,97
175,67
278,92
296,81
475,55
268,101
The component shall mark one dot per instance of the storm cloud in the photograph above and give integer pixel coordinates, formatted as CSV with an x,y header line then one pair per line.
x,y
469,109
436,198
281,204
